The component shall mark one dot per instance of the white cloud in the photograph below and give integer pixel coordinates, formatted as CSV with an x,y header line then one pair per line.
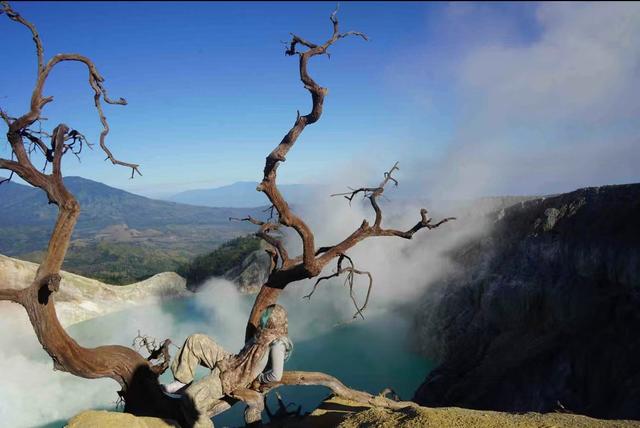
x,y
540,110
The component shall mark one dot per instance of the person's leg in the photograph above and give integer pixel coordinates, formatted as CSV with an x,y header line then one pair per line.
x,y
201,400
198,349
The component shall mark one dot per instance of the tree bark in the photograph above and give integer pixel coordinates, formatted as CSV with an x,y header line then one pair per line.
x,y
135,374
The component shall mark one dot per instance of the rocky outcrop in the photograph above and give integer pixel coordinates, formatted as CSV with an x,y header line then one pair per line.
x,y
81,298
542,312
251,273
105,419
335,412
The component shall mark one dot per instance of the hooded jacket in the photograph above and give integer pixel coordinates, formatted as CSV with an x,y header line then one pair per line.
x,y
239,370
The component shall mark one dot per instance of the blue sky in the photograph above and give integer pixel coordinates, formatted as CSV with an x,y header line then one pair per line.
x,y
456,92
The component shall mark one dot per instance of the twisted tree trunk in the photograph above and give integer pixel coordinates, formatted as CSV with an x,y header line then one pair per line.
x,y
135,374
137,377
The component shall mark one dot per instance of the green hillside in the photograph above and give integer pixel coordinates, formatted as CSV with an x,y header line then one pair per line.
x,y
219,261
120,237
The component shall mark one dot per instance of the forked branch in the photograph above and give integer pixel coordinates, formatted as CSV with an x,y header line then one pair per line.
x,y
373,193
351,271
338,388
268,184
263,233
133,372
156,352
366,230
19,127
312,261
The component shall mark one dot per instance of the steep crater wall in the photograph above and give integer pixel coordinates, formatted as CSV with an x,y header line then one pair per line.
x,y
542,312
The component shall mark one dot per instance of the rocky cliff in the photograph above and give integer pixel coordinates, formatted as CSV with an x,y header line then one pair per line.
x,y
543,311
251,273
83,298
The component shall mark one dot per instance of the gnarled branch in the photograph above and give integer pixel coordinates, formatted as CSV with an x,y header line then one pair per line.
x,y
15,16
263,233
312,260
156,352
351,271
268,184
425,222
11,295
134,373
338,388
18,126
365,230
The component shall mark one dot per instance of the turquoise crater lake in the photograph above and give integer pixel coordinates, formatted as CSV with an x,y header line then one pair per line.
x,y
368,354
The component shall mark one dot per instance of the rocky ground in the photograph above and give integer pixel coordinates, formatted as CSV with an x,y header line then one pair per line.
x,y
335,412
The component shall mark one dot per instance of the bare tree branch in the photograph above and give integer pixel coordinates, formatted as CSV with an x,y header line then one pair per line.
x,y
296,271
425,222
5,117
6,180
13,166
312,260
37,142
373,193
351,271
365,230
38,101
57,145
268,184
263,233
156,352
133,373
338,388
15,16
11,295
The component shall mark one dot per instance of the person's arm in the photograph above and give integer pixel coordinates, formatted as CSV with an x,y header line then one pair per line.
x,y
276,356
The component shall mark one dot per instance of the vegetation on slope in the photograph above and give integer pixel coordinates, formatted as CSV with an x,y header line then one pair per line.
x,y
115,262
114,215
219,261
120,237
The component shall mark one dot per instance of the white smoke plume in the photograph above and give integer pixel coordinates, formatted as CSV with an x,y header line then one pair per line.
x,y
552,114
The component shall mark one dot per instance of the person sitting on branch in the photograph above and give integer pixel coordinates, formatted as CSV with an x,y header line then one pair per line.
x,y
260,361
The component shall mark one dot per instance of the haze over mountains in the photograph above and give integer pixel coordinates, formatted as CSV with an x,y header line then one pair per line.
x,y
122,237
138,235
242,194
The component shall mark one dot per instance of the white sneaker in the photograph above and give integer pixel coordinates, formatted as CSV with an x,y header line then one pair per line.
x,y
173,389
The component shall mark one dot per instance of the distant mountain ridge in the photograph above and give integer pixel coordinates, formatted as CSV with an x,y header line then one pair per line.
x,y
116,229
242,194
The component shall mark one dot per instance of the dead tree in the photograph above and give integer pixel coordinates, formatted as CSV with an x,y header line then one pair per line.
x,y
136,375
286,269
312,261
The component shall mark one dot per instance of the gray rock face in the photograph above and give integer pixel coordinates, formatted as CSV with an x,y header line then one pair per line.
x,y
543,312
251,273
